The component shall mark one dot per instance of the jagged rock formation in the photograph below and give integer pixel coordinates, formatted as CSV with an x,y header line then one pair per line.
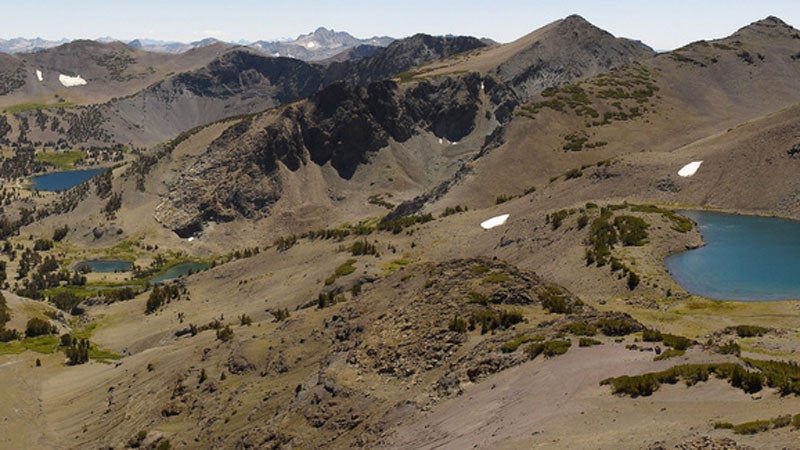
x,y
341,126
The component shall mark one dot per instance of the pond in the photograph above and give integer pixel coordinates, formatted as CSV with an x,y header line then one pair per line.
x,y
179,270
105,265
61,181
746,258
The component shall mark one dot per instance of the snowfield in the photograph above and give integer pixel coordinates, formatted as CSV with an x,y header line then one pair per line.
x,y
495,221
69,81
690,169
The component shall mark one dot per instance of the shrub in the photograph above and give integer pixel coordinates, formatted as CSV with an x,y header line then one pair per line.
x,y
632,230
502,199
753,427
60,233
397,225
620,326
647,383
730,348
285,243
554,300
225,334
65,300
7,335
649,335
78,352
280,314
580,329
744,331
677,342
671,353
490,320
458,325
513,345
476,297
588,342
583,220
41,245
548,349
363,247
557,218
39,327
633,280
346,268
782,421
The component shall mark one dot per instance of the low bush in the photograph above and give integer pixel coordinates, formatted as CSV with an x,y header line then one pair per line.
x,y
548,349
671,353
745,331
588,342
580,329
619,326
512,345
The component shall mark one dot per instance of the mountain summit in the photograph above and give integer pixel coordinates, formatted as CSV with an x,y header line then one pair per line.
x,y
321,44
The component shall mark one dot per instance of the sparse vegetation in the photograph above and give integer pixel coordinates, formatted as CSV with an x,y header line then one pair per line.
x,y
548,349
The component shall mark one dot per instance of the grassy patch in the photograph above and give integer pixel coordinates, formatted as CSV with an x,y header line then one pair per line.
x,y
588,342
548,349
346,268
496,278
62,160
671,353
513,345
23,107
394,264
100,354
40,344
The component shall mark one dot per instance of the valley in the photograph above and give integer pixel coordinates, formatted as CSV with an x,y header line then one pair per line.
x,y
278,253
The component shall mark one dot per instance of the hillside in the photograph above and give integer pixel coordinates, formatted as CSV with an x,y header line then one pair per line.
x,y
649,120
423,129
435,244
106,70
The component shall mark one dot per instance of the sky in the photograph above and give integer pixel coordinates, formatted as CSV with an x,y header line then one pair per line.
x,y
663,25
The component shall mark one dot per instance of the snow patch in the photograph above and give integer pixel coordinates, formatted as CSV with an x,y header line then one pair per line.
x,y
495,221
482,85
69,81
311,45
191,238
441,141
454,143
39,75
690,169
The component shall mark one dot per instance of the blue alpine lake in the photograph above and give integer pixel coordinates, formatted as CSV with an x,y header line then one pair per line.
x,y
105,265
746,258
61,181
179,270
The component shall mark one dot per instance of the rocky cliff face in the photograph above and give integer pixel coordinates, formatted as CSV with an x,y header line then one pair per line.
x,y
341,126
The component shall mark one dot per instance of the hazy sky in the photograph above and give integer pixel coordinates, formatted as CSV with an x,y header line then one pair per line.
x,y
660,24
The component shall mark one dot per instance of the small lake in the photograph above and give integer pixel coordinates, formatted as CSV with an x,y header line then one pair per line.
x,y
746,258
105,265
61,181
179,270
